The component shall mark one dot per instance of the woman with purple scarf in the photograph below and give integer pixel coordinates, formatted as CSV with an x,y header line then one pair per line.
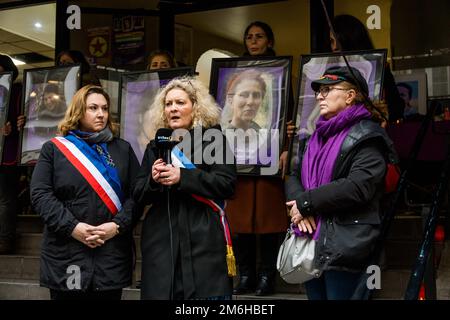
x,y
334,196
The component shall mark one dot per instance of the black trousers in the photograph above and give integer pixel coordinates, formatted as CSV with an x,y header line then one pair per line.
x,y
250,247
86,295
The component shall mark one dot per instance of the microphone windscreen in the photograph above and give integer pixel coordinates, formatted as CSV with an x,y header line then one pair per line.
x,y
163,138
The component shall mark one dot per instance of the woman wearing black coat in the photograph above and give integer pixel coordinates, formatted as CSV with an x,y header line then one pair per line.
x,y
335,191
186,252
81,187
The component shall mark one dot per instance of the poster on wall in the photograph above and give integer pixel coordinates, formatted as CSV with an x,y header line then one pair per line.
x,y
129,40
413,90
99,45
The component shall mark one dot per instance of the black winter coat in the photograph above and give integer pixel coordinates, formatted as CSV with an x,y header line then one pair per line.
x,y
63,198
350,203
198,243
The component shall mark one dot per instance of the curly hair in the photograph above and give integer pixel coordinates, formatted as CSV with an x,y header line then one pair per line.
x,y
205,111
77,109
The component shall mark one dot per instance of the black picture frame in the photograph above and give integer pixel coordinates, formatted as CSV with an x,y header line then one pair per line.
x,y
257,148
137,92
5,96
371,64
55,85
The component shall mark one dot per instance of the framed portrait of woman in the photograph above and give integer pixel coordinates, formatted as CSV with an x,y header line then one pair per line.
x,y
5,90
137,92
253,93
47,93
371,65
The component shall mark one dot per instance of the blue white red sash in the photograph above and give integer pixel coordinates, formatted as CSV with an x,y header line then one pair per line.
x,y
179,160
90,172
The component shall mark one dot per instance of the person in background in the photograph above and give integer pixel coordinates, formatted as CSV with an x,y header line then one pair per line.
x,y
185,254
9,172
353,35
257,211
70,57
81,188
161,59
335,190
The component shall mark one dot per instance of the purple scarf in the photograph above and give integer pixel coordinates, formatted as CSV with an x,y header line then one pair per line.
x,y
323,149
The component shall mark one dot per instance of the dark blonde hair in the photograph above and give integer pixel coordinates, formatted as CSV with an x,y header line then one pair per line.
x,y
77,109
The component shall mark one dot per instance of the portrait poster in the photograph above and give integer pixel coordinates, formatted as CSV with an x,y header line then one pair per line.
x,y
128,40
47,93
371,65
138,91
253,94
99,45
5,93
413,90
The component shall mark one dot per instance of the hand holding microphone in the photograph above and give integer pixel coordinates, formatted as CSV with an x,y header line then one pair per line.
x,y
169,175
156,167
163,171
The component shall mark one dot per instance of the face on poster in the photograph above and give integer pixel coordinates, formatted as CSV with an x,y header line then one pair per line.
x,y
47,95
253,96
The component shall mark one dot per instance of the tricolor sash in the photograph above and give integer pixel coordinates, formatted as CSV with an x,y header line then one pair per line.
x,y
91,173
179,160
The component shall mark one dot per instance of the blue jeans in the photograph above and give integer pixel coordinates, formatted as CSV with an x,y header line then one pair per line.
x,y
332,285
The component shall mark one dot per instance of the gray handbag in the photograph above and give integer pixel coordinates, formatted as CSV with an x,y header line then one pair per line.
x,y
295,261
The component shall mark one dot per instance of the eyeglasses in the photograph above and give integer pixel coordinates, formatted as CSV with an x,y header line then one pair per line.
x,y
324,91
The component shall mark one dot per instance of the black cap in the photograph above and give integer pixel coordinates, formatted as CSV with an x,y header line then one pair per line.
x,y
338,74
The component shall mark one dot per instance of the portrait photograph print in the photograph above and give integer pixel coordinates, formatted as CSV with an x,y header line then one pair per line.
x,y
47,93
138,91
253,94
371,65
5,89
413,90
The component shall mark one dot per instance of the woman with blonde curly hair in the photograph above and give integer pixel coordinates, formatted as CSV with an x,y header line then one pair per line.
x,y
81,187
185,254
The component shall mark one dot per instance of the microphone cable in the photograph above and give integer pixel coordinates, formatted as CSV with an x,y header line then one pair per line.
x,y
172,270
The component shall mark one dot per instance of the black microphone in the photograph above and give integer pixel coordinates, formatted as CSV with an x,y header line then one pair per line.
x,y
163,141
